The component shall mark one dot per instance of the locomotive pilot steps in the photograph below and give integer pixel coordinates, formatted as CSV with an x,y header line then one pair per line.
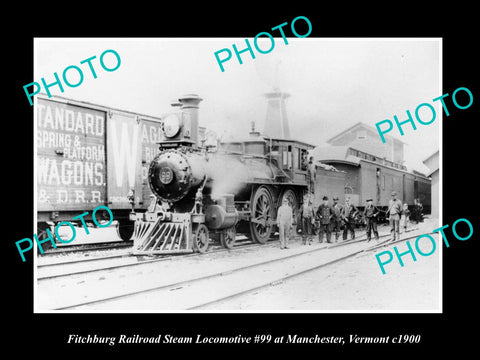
x,y
89,155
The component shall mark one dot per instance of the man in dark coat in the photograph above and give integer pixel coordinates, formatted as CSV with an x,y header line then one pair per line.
x,y
370,214
337,218
324,214
307,215
348,216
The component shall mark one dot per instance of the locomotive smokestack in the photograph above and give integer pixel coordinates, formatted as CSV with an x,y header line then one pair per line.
x,y
189,109
276,123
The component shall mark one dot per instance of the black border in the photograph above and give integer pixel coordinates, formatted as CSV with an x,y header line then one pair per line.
x,y
48,332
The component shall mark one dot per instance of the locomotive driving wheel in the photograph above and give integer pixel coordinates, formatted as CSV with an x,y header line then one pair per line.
x,y
262,215
200,238
290,195
227,237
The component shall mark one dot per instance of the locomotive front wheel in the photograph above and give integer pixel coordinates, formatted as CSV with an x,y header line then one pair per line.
x,y
200,238
227,238
261,215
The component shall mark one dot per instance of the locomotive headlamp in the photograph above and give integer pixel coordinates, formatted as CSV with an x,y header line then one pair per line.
x,y
171,125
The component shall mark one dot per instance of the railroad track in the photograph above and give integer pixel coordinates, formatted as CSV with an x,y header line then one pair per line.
x,y
188,293
309,268
58,269
86,247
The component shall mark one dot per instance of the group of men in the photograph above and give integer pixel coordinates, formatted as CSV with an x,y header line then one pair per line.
x,y
331,218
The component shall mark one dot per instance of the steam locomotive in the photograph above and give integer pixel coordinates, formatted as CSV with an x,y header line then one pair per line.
x,y
202,195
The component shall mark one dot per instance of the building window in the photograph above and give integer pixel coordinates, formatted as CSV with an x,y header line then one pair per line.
x,y
361,134
296,158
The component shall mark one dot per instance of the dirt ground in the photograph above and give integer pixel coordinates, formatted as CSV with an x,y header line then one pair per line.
x,y
353,285
357,285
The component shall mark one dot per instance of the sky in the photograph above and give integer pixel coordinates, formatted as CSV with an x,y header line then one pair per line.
x,y
333,83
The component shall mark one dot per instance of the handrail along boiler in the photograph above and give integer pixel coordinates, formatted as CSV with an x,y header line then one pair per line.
x,y
203,196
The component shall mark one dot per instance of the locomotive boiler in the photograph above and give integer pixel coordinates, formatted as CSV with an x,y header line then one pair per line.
x,y
201,196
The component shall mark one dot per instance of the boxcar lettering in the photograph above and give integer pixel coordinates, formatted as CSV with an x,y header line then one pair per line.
x,y
96,196
124,151
69,120
117,199
79,196
150,153
49,139
62,196
91,153
151,134
68,172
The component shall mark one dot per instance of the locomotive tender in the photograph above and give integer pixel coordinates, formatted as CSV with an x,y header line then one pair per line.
x,y
202,195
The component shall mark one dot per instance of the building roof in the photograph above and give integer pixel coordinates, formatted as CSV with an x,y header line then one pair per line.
x,y
436,153
361,125
432,162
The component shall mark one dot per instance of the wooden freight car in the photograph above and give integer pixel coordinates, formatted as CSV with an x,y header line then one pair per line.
x,y
369,176
330,183
89,155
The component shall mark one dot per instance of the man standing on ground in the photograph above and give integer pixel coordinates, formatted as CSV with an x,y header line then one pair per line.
x,y
324,214
349,213
337,218
284,222
394,211
370,214
307,215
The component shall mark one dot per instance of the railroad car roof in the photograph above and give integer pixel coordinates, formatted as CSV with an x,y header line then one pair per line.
x,y
90,105
341,154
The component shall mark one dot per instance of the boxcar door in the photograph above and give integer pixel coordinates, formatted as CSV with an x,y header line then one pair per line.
x,y
123,159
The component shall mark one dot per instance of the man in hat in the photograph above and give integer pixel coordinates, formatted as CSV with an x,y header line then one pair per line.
x,y
370,214
284,222
348,216
324,213
337,218
307,215
394,211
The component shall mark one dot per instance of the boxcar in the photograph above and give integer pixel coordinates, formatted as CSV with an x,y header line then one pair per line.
x,y
369,176
89,155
